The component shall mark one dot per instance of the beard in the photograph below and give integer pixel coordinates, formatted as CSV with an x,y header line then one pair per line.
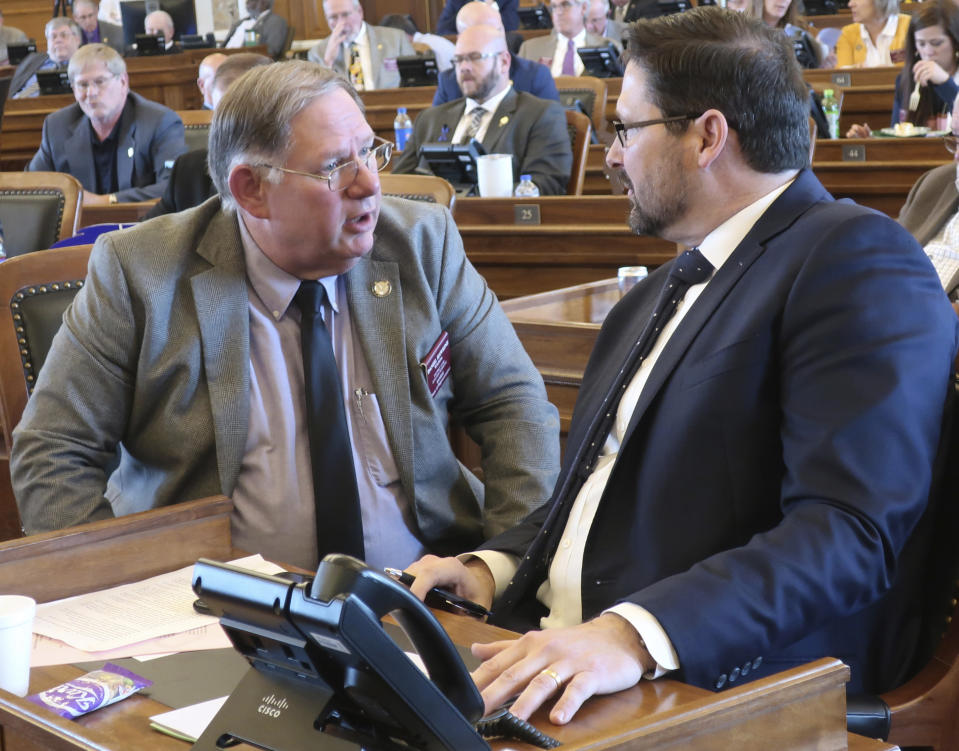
x,y
483,86
663,202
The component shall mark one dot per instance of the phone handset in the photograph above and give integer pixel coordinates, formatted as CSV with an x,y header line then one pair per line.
x,y
339,574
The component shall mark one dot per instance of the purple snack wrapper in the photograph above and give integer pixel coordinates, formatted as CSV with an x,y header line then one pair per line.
x,y
93,690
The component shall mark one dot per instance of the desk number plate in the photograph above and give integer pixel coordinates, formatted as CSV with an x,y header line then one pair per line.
x,y
842,79
853,152
526,213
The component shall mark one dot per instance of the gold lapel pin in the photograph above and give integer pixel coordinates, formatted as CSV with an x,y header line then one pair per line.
x,y
503,120
382,288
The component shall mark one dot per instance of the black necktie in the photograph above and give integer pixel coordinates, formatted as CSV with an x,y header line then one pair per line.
x,y
339,525
690,268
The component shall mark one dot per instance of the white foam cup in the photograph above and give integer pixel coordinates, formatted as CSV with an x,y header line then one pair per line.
x,y
16,632
495,175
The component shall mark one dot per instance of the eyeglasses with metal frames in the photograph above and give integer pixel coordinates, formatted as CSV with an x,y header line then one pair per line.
x,y
344,175
97,84
474,57
621,127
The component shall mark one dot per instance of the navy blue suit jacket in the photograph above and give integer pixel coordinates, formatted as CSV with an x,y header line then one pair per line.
x,y
768,502
526,75
508,10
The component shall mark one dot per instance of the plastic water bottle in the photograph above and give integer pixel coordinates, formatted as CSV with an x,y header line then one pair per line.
x,y
402,128
526,188
830,107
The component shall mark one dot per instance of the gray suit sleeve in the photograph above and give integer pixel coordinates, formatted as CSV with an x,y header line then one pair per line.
x,y
43,160
500,398
548,159
273,34
72,423
165,146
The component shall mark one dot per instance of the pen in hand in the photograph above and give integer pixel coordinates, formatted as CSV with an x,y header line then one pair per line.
x,y
440,598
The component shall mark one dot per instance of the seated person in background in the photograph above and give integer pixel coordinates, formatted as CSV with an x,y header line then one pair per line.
x,y
9,35
365,55
508,11
747,490
119,145
94,30
190,183
931,213
159,23
527,75
931,70
877,36
533,130
784,14
63,40
271,29
557,50
186,347
204,76
441,47
599,22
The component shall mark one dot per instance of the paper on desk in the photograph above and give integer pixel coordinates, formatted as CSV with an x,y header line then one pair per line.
x,y
187,723
131,613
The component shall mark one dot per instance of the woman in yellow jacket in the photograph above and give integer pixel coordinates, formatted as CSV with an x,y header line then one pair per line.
x,y
877,38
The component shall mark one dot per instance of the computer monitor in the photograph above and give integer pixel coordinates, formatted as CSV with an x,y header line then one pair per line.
x,y
455,163
17,52
54,82
535,18
134,13
601,62
147,44
417,71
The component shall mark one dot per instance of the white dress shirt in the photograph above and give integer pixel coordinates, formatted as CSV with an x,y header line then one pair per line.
x,y
490,105
879,53
362,41
561,592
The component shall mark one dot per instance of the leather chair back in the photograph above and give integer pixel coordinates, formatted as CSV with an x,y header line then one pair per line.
x,y
427,188
37,209
579,129
196,127
585,94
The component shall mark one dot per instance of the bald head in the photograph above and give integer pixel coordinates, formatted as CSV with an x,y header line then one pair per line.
x,y
204,76
483,68
159,23
477,13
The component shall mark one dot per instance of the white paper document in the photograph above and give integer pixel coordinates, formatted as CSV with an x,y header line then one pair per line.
x,y
187,723
131,613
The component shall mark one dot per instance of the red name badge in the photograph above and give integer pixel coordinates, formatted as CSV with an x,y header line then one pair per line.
x,y
436,365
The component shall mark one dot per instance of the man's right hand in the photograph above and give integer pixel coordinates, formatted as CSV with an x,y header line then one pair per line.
x,y
471,581
337,37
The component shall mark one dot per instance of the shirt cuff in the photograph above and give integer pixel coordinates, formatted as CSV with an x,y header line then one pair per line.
x,y
502,565
653,635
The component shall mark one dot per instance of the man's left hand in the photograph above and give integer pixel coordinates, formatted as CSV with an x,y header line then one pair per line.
x,y
95,199
598,657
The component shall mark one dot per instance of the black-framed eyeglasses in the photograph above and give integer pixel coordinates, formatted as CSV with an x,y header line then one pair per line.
x,y
343,175
621,127
951,142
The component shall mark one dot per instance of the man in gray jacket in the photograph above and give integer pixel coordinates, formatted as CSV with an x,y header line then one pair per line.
x,y
185,350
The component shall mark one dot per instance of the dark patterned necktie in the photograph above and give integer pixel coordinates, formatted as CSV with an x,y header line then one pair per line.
x,y
356,68
690,268
339,524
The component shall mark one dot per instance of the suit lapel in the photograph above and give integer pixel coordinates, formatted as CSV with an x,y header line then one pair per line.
x,y
376,54
500,125
222,309
379,325
79,152
126,148
784,211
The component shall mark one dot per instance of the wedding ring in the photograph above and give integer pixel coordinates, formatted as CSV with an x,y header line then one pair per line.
x,y
554,675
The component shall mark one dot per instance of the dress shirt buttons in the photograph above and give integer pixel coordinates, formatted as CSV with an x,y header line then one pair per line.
x,y
566,544
747,666
721,681
733,674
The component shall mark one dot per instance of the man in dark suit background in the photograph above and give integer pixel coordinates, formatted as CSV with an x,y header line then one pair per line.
x,y
63,39
526,75
119,145
190,183
746,482
508,11
271,29
93,30
533,130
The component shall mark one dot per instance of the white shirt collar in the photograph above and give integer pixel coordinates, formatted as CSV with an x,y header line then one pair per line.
x,y
490,105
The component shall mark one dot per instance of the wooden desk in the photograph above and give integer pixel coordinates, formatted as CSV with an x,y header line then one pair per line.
x,y
800,708
579,239
844,78
381,106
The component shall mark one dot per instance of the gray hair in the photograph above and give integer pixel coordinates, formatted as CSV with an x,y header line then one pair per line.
x,y
56,23
886,8
90,54
252,123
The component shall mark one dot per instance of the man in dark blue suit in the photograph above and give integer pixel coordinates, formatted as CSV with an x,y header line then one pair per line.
x,y
746,484
508,10
527,75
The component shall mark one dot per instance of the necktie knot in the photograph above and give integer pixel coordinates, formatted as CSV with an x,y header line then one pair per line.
x,y
309,298
691,267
